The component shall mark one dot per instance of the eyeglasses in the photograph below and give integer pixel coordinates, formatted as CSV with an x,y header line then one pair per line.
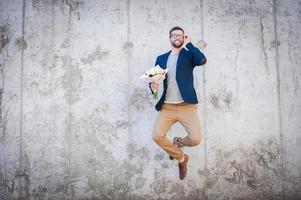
x,y
176,35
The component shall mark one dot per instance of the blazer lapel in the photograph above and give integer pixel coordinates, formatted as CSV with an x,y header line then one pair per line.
x,y
181,54
164,64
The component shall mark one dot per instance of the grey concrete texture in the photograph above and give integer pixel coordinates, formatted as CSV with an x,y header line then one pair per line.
x,y
76,120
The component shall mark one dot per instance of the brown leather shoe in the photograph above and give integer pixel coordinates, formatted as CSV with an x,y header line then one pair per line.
x,y
183,167
177,144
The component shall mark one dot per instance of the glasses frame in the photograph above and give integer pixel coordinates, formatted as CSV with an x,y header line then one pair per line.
x,y
174,36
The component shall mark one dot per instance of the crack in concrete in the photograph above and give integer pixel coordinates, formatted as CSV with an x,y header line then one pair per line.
x,y
279,101
263,47
242,24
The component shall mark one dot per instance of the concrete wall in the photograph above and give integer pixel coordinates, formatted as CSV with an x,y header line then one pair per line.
x,y
76,120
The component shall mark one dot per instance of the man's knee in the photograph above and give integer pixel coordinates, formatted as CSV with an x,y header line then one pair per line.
x,y
196,141
156,138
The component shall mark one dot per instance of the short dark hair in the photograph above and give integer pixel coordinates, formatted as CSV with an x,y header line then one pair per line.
x,y
175,28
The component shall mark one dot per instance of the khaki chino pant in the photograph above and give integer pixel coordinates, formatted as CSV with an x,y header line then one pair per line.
x,y
184,113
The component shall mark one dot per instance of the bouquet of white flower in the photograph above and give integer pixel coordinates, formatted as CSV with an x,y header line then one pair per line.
x,y
155,74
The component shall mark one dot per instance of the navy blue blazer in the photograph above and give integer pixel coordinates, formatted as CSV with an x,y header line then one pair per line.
x,y
186,62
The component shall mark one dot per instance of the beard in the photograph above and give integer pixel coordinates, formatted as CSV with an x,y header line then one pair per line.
x,y
177,45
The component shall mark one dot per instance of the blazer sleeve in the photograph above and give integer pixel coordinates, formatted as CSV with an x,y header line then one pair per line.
x,y
150,87
198,58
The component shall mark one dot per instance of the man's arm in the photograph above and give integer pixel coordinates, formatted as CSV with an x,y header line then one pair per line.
x,y
198,57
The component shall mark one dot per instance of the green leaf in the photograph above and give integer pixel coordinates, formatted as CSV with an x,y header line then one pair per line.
x,y
155,95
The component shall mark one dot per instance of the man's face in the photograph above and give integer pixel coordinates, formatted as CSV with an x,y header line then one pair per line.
x,y
176,38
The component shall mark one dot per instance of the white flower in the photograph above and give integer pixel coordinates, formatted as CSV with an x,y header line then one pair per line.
x,y
155,74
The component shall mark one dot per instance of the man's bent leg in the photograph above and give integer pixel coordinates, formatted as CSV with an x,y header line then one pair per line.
x,y
189,118
165,119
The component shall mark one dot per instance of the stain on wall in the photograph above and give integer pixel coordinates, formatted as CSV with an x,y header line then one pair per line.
x,y
21,43
4,39
71,79
97,54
